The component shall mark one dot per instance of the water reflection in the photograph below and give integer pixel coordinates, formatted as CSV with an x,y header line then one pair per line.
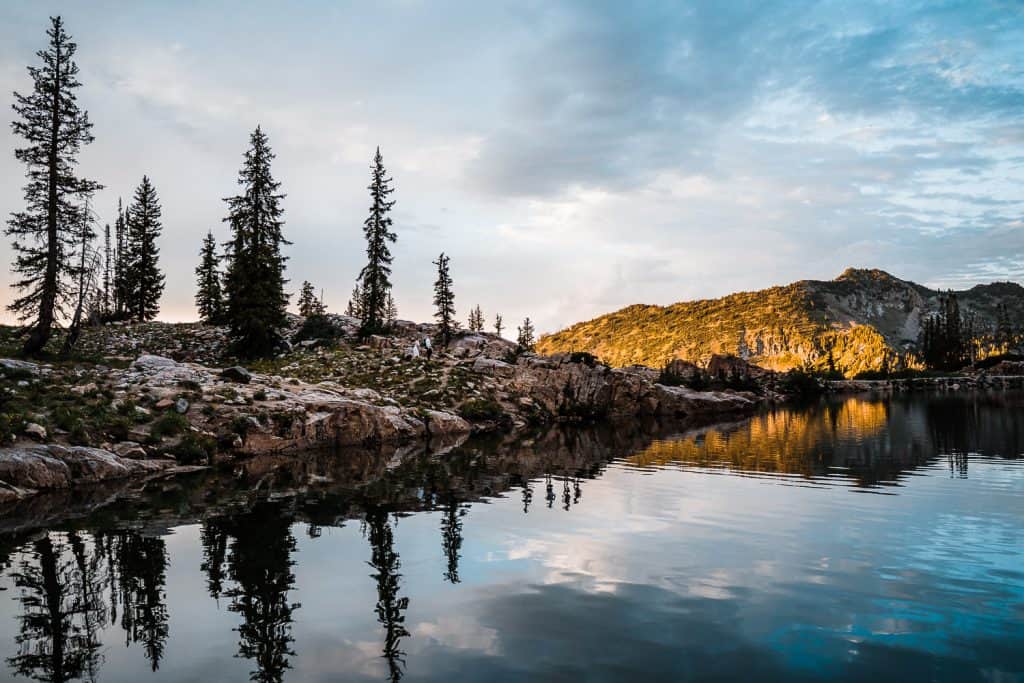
x,y
256,549
624,581
869,440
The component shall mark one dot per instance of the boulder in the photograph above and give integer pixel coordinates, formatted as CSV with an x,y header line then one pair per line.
x,y
35,431
236,374
14,364
130,449
148,362
58,467
181,406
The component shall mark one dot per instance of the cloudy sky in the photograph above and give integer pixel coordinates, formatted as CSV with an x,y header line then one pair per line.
x,y
572,158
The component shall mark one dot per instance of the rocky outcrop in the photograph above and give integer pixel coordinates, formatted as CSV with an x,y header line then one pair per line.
x,y
569,387
24,471
267,414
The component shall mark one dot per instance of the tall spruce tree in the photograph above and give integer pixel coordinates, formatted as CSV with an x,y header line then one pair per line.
x,y
209,297
375,276
144,281
499,324
45,233
444,300
254,284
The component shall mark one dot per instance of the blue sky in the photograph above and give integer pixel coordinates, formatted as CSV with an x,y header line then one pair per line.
x,y
572,158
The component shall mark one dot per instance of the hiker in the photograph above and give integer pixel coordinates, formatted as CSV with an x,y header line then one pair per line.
x,y
428,347
414,352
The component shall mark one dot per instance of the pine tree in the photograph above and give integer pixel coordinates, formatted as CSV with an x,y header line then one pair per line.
x,y
144,283
392,311
525,337
120,264
375,276
108,282
209,297
308,303
45,232
499,325
254,284
444,299
355,304
476,319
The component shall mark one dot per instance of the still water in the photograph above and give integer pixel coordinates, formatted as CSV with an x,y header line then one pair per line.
x,y
856,539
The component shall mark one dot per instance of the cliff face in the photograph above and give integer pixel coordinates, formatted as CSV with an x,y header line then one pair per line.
x,y
864,318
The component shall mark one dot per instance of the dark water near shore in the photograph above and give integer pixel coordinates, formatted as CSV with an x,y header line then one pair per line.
x,y
859,539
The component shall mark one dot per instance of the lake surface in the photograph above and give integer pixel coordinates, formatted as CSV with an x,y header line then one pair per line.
x,y
856,539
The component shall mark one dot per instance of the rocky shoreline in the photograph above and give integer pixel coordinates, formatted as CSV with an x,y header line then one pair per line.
x,y
70,425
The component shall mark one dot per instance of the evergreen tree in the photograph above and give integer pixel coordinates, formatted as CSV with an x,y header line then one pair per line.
x,y
355,304
209,298
946,337
392,311
108,273
444,299
307,300
499,324
525,337
144,283
375,276
476,319
45,232
254,285
120,264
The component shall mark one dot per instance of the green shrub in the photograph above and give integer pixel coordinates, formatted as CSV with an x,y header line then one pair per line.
x,y
260,395
317,327
117,427
194,449
584,357
479,409
168,424
10,426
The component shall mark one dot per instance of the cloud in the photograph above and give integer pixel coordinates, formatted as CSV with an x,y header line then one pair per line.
x,y
613,154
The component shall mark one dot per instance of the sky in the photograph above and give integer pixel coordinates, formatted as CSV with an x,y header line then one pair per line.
x,y
571,158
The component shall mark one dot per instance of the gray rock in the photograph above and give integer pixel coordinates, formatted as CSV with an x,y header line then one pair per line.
x,y
148,362
36,431
13,364
130,449
236,374
181,405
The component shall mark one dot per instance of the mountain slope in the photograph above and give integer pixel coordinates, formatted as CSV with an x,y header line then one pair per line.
x,y
864,318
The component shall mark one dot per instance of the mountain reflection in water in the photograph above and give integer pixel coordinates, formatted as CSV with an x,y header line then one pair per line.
x,y
608,553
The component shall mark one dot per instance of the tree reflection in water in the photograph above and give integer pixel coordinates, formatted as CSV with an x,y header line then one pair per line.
x,y
390,607
256,549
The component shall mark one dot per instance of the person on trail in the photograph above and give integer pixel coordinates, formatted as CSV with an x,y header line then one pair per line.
x,y
414,352
428,346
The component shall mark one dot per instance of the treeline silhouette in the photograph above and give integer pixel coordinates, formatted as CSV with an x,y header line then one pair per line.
x,y
63,276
